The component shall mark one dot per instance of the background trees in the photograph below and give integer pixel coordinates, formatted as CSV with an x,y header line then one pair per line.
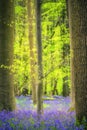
x,y
54,48
21,47
55,54
55,41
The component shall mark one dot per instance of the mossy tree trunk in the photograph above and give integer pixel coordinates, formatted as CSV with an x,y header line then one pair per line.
x,y
78,36
7,99
39,57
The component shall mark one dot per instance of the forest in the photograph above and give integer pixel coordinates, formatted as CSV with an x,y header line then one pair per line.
x,y
43,65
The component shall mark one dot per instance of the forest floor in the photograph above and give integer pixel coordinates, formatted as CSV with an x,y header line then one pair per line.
x,y
55,117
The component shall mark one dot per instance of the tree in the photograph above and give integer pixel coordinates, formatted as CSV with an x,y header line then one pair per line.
x,y
7,99
55,37
78,36
32,48
64,29
39,57
21,48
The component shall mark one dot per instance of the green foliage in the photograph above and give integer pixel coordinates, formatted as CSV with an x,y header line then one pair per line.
x,y
55,38
82,122
21,47
55,41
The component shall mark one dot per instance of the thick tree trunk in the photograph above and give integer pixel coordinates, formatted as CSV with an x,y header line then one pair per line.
x,y
32,48
39,57
7,99
78,33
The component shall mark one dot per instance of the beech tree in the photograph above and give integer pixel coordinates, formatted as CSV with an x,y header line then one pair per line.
x,y
39,57
33,69
78,36
7,99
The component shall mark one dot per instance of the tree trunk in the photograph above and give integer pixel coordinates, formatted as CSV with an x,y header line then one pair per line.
x,y
39,58
32,49
55,90
7,99
45,86
66,90
78,33
65,53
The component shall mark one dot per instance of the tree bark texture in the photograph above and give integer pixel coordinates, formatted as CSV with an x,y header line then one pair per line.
x,y
78,36
7,99
39,58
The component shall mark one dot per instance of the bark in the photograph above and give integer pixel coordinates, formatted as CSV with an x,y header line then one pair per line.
x,y
65,87
32,49
65,53
39,58
7,99
45,86
78,36
55,90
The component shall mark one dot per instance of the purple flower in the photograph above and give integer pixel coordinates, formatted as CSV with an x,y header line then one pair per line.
x,y
55,116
